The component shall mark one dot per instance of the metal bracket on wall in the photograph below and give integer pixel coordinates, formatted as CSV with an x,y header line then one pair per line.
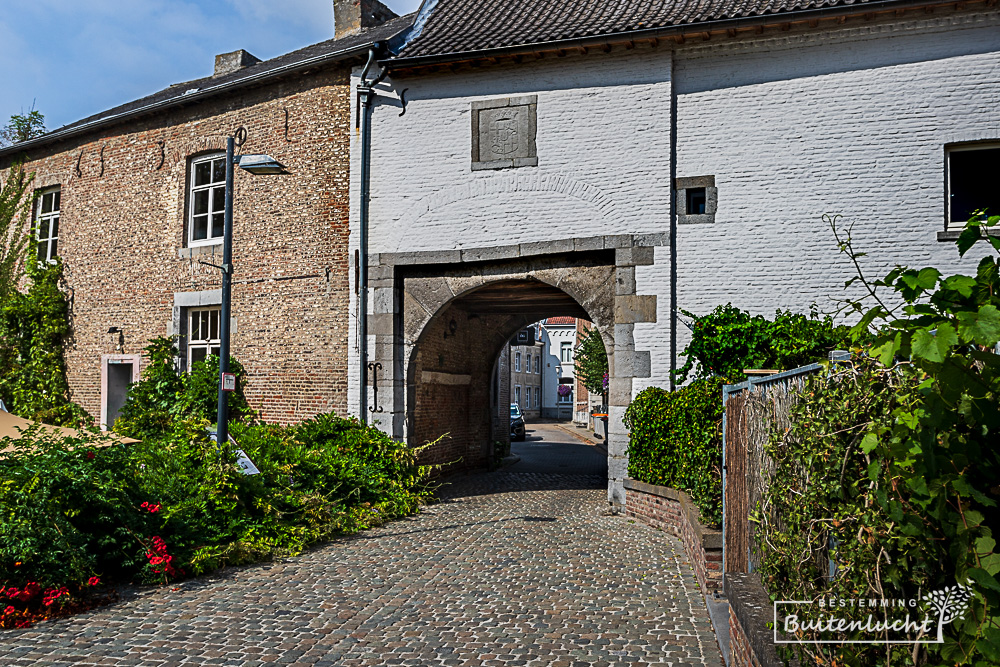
x,y
77,168
102,161
163,154
375,367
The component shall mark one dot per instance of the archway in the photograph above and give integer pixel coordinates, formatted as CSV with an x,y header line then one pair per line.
x,y
440,319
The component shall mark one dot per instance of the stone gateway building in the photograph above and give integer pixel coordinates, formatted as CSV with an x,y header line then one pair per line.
x,y
131,200
460,173
621,161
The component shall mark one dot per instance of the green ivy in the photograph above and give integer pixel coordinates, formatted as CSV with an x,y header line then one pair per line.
x,y
34,327
676,441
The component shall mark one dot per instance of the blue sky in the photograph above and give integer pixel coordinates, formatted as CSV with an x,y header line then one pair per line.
x,y
75,58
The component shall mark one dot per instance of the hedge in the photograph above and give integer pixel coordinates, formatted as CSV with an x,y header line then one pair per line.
x,y
676,441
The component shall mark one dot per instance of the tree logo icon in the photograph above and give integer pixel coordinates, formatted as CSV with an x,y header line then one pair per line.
x,y
951,604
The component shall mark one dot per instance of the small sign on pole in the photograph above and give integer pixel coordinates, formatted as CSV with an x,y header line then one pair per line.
x,y
228,382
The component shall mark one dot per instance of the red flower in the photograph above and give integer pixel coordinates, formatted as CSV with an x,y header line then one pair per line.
x,y
13,592
153,509
9,610
93,581
144,505
90,456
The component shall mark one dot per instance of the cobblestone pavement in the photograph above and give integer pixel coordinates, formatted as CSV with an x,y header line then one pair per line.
x,y
510,569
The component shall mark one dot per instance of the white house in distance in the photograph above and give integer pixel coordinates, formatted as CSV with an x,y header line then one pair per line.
x,y
529,159
558,336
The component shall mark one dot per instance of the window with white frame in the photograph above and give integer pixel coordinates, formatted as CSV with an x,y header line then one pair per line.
x,y
517,362
517,394
568,398
566,352
538,401
207,200
972,182
538,363
47,225
203,334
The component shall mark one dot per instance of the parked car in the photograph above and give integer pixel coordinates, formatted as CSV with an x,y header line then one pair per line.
x,y
516,422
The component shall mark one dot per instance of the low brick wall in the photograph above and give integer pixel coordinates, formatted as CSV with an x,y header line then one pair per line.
x,y
751,642
673,511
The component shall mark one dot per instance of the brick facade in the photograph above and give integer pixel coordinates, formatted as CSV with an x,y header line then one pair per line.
x,y
122,239
674,512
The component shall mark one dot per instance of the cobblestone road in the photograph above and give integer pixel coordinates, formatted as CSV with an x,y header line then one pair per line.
x,y
512,568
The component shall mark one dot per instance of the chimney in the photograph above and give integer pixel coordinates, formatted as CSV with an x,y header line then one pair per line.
x,y
227,63
352,16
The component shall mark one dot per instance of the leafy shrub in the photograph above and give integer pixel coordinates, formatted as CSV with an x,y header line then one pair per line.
x,y
179,504
728,339
894,457
162,395
676,441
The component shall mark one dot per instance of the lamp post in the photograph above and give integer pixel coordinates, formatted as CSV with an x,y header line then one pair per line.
x,y
257,165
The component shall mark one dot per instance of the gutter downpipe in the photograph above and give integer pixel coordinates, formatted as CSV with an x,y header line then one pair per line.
x,y
673,221
366,97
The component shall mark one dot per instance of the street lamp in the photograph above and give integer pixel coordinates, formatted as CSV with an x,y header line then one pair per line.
x,y
258,165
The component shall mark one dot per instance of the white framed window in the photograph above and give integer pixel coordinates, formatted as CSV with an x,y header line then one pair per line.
x,y
203,334
566,352
47,224
538,401
538,363
207,200
517,394
568,398
972,181
517,362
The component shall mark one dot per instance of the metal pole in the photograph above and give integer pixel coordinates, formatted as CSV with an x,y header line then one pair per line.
x,y
222,428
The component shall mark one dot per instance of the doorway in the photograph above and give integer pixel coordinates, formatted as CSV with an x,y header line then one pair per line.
x,y
118,372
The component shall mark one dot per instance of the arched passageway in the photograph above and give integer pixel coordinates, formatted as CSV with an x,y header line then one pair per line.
x,y
440,320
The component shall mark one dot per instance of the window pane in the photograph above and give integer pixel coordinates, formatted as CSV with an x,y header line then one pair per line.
x,y
218,224
54,251
214,318
215,350
696,201
205,324
201,202
43,248
974,182
219,171
198,354
55,207
55,226
43,229
200,228
202,173
47,203
218,200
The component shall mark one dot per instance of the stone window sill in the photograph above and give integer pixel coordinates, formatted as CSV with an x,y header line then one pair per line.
x,y
952,235
198,250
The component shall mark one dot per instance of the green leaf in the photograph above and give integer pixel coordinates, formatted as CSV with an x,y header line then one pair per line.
x,y
869,442
983,578
967,239
961,284
982,327
933,347
928,277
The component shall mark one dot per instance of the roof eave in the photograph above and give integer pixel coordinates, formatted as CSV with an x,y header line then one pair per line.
x,y
61,135
661,32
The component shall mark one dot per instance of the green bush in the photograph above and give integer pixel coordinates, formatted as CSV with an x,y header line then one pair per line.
x,y
728,339
891,466
162,395
179,504
676,441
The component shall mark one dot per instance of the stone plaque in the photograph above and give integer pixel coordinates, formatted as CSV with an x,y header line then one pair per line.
x,y
503,133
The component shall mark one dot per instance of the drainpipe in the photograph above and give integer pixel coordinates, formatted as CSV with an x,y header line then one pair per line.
x,y
673,222
366,98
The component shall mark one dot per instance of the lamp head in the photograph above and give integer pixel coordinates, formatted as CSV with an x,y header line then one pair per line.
x,y
260,165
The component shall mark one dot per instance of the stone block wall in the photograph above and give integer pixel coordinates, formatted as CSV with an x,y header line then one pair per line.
x,y
123,241
673,511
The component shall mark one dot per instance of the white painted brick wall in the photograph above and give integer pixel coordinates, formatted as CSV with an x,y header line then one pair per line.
x,y
852,121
